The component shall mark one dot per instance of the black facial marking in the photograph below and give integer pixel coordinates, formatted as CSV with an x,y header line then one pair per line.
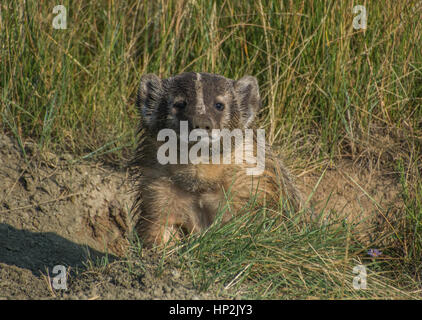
x,y
199,98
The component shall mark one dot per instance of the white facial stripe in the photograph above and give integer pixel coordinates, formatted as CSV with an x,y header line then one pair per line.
x,y
199,95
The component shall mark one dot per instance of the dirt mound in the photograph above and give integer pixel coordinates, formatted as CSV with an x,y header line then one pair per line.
x,y
46,195
53,212
369,200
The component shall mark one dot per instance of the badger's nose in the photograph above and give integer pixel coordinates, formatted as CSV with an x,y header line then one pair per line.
x,y
202,123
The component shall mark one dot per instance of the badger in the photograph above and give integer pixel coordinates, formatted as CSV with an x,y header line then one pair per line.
x,y
176,198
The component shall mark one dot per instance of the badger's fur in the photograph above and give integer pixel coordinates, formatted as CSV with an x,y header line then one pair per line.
x,y
174,199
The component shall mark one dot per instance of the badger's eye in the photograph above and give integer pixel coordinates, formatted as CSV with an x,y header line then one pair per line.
x,y
180,105
219,106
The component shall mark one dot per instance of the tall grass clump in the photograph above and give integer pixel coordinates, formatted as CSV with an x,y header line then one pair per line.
x,y
266,256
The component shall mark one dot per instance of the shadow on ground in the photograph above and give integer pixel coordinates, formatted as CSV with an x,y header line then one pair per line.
x,y
39,251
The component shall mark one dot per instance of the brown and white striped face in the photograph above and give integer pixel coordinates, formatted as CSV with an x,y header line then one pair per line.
x,y
205,101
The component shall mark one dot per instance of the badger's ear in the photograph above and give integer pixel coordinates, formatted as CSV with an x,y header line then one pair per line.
x,y
149,97
248,99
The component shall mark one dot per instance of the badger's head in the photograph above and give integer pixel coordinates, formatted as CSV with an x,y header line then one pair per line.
x,y
206,101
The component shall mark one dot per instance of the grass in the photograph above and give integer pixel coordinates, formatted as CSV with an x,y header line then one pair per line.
x,y
257,257
329,92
